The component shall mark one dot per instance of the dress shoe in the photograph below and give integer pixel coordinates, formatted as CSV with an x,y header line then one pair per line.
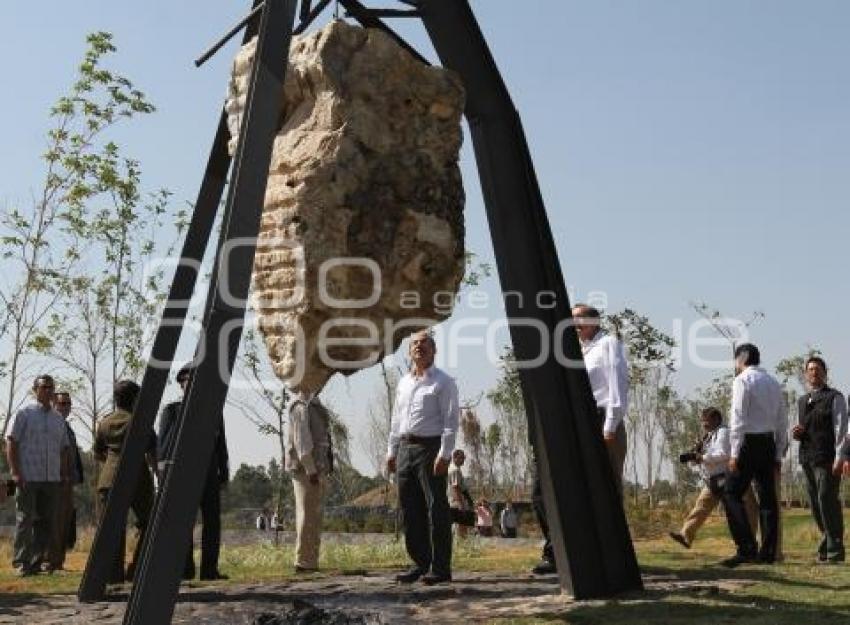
x,y
738,560
215,575
680,539
436,578
408,577
544,567
305,570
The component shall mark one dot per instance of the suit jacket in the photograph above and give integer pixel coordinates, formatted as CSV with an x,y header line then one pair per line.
x,y
169,421
108,442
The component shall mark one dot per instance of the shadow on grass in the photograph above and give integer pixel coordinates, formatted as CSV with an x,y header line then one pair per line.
x,y
762,574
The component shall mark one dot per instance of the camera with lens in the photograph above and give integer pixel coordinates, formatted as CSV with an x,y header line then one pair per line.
x,y
688,456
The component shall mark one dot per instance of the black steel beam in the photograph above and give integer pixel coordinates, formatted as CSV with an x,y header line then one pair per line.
x,y
364,15
154,594
310,16
206,56
113,523
588,527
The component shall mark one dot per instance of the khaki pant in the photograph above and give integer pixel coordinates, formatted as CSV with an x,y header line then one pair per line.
x,y
706,503
61,530
308,519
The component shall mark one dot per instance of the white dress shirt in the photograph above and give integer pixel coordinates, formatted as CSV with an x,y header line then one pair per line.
x,y
426,406
608,370
715,453
758,406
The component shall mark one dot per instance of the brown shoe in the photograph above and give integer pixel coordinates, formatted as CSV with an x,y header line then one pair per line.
x,y
680,539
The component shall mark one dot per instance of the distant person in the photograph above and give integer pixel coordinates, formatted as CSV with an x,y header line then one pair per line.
x,y
711,455
484,518
275,522
508,520
218,474
36,451
309,460
822,431
422,438
758,439
261,522
108,444
460,501
65,528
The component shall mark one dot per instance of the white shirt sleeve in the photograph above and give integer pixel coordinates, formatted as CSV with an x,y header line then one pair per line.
x,y
395,424
839,423
736,419
450,409
618,386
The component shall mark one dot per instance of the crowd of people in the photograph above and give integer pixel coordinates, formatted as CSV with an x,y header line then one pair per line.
x,y
45,464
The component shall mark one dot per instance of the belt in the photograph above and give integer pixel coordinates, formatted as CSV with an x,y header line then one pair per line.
x,y
412,439
758,435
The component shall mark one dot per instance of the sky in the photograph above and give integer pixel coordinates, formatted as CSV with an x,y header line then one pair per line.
x,y
686,151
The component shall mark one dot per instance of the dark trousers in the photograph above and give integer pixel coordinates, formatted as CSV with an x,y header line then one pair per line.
x,y
822,486
35,513
211,531
424,508
540,512
63,526
756,461
142,505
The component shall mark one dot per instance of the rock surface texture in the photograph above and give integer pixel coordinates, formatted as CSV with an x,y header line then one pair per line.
x,y
362,234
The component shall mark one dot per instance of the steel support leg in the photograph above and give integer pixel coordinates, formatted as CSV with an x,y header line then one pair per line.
x,y
155,591
593,548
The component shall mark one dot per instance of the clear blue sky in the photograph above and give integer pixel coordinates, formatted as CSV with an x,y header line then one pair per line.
x,y
686,150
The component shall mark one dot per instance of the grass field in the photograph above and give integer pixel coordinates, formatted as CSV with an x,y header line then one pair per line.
x,y
791,593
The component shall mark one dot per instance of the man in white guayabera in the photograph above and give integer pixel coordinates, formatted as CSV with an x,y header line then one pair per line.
x,y
422,438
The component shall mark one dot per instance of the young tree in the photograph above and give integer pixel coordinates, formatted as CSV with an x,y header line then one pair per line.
x,y
651,366
43,240
506,399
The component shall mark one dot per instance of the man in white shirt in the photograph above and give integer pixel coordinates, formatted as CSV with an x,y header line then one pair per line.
x,y
37,453
711,455
822,431
758,439
309,459
421,441
608,371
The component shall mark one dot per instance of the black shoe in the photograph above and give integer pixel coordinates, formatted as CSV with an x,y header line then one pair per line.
x,y
213,576
764,558
680,539
544,567
408,577
436,578
304,570
737,560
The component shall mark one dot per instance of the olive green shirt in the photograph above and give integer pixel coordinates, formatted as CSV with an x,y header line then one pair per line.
x,y
108,443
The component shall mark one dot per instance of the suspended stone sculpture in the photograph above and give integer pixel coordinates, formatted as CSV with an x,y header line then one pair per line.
x,y
362,234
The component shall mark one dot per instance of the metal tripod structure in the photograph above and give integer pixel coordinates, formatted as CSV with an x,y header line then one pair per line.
x,y
593,549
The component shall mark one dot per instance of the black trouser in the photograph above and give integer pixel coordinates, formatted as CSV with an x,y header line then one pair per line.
x,y
540,512
756,460
424,507
211,531
822,486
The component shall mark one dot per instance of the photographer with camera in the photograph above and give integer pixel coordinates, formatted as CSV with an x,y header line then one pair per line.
x,y
711,455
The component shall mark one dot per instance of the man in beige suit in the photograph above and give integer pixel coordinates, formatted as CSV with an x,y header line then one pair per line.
x,y
309,459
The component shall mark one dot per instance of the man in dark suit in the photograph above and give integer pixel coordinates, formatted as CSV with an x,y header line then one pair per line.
x,y
822,431
218,475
